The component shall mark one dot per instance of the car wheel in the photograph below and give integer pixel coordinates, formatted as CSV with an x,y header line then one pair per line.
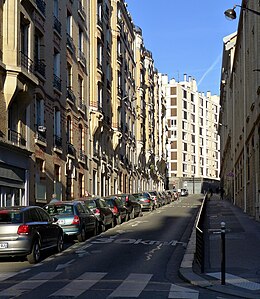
x,y
35,255
82,236
60,243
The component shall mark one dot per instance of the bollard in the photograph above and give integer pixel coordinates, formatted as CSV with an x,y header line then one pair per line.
x,y
223,253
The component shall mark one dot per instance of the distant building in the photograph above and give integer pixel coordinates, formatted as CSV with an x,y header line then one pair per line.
x,y
193,141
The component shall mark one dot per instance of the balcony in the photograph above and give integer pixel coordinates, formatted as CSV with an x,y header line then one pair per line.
x,y
57,25
82,106
40,136
81,10
56,83
70,43
71,150
81,58
26,62
81,156
41,5
16,138
71,96
57,144
40,67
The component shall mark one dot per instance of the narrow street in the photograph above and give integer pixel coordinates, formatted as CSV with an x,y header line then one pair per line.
x,y
138,259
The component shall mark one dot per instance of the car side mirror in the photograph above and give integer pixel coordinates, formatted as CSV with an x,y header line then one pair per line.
x,y
54,219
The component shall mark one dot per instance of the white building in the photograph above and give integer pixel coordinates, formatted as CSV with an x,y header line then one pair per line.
x,y
193,142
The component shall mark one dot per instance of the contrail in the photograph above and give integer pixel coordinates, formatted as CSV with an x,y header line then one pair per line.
x,y
209,69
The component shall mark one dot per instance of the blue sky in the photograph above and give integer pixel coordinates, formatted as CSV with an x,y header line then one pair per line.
x,y
186,37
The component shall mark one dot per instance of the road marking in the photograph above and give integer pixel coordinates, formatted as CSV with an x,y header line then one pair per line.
x,y
79,285
181,292
132,286
28,285
237,281
65,265
4,276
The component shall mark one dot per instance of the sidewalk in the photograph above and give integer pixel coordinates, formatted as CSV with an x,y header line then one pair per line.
x,y
242,252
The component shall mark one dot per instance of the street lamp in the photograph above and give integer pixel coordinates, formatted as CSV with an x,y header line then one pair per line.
x,y
231,13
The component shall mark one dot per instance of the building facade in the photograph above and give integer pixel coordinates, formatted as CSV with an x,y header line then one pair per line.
x,y
193,141
80,100
240,113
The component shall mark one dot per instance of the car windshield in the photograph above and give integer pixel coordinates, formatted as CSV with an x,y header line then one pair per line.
x,y
59,209
10,216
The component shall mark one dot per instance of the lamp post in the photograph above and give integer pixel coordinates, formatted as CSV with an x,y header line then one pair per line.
x,y
231,13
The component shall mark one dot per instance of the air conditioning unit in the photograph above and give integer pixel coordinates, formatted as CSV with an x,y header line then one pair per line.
x,y
41,128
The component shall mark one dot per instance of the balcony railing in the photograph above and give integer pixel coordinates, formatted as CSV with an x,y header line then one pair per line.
x,y
57,25
58,141
40,67
82,105
81,156
81,58
41,5
40,134
71,149
70,95
16,138
56,82
70,43
81,10
26,62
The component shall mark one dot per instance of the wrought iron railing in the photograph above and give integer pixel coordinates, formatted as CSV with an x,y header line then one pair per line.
x,y
16,138
41,5
26,62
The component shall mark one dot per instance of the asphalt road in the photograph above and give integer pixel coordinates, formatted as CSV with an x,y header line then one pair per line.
x,y
138,259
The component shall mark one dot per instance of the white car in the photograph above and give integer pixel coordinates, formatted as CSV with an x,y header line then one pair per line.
x,y
184,192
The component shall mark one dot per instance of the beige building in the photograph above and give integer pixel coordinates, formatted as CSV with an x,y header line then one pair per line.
x,y
240,113
76,110
193,142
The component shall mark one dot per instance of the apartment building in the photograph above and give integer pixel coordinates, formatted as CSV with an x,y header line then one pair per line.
x,y
193,142
240,114
44,123
75,103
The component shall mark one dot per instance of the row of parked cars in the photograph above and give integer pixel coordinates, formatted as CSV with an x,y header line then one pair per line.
x,y
28,231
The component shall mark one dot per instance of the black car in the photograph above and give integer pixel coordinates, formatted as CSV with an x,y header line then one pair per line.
x,y
118,208
101,210
28,231
145,200
133,206
75,219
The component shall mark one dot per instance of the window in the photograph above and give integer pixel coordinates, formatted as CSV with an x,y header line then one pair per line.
x,y
80,40
69,24
81,185
184,94
99,53
24,27
185,115
81,137
100,95
184,103
39,112
80,87
69,76
56,63
69,130
57,122
56,8
185,146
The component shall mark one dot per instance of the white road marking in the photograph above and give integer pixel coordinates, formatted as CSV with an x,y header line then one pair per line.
x,y
237,281
132,286
4,276
79,285
28,285
181,292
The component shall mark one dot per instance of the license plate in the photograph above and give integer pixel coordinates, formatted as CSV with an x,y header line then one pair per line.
x,y
3,245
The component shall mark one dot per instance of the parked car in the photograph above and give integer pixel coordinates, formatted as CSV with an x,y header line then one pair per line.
x,y
167,197
75,220
157,198
134,208
28,231
184,192
101,210
118,208
146,201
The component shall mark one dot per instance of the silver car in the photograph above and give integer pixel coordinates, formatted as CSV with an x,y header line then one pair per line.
x,y
27,231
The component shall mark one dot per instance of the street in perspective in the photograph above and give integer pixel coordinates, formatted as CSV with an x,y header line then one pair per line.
x,y
140,258
129,149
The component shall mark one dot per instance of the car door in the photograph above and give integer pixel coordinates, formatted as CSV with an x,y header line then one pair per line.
x,y
37,225
52,230
105,210
81,211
